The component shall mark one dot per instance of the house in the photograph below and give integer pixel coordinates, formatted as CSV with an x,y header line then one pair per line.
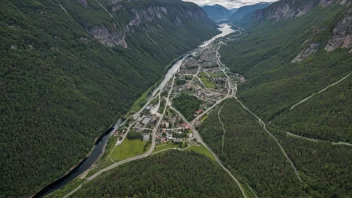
x,y
177,140
199,111
146,137
185,125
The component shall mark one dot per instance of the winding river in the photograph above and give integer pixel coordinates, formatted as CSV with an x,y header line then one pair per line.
x,y
225,30
84,165
98,149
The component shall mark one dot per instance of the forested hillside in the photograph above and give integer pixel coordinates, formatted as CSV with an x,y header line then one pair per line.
x,y
69,69
217,12
255,158
169,174
287,60
242,13
296,59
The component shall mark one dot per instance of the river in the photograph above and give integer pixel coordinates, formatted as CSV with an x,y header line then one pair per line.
x,y
83,166
225,30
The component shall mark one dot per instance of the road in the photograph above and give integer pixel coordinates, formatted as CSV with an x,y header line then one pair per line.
x,y
146,154
192,127
316,93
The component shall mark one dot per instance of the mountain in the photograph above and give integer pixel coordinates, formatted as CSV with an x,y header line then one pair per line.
x,y
233,10
70,69
217,12
288,131
245,11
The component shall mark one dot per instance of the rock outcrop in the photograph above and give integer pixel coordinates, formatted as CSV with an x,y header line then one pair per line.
x,y
286,9
342,34
305,53
147,17
294,8
101,34
83,3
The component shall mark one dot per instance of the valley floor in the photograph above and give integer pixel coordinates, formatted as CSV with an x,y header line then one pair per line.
x,y
198,109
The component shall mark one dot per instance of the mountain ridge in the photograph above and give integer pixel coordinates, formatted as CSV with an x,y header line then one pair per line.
x,y
71,68
217,12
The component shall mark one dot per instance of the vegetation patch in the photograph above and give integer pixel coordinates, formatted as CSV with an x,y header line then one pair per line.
x,y
202,150
218,74
206,81
187,105
139,103
166,146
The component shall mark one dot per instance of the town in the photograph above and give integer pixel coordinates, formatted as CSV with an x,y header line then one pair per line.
x,y
200,82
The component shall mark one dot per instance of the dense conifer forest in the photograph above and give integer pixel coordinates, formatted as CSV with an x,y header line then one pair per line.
x,y
169,174
314,133
254,157
61,88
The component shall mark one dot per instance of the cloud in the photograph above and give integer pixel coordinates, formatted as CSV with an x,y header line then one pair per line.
x,y
229,3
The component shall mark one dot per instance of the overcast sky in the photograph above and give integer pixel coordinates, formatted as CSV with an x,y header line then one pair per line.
x,y
229,3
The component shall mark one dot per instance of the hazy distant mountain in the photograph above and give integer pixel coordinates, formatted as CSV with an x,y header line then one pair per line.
x,y
244,11
217,12
233,10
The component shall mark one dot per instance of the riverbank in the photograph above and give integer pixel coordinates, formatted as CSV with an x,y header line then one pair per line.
x,y
141,102
84,164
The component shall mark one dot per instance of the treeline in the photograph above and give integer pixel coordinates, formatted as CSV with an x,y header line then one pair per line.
x,y
60,88
170,174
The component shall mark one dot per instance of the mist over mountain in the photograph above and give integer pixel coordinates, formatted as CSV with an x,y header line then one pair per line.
x,y
217,12
243,12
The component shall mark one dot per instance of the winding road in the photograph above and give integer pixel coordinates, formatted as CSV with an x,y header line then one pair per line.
x,y
231,93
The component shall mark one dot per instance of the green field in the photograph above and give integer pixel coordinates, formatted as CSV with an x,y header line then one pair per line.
x,y
139,103
204,118
165,146
218,74
128,148
204,78
202,150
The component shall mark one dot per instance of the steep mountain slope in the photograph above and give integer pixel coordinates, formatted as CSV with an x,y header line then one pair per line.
x,y
242,13
296,58
273,60
217,12
69,69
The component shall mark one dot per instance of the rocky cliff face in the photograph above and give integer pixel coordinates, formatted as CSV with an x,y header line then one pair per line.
x,y
342,34
295,8
306,52
285,9
288,9
101,34
146,16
